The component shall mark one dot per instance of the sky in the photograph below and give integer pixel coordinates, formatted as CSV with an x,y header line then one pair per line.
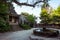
x,y
35,11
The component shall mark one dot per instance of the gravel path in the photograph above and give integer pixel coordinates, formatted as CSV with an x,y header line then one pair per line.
x,y
19,35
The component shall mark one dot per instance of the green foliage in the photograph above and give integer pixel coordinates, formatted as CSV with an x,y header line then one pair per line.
x,y
3,7
56,16
44,16
30,18
24,13
25,26
51,18
4,25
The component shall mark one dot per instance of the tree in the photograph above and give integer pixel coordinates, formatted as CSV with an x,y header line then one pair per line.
x,y
45,5
4,26
44,16
30,18
24,13
52,18
56,16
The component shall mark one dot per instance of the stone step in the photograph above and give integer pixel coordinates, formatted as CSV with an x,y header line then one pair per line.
x,y
16,28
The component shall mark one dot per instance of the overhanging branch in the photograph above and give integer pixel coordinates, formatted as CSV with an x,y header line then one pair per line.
x,y
32,5
38,2
23,3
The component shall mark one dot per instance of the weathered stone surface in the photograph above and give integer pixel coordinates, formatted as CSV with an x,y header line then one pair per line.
x,y
21,35
33,37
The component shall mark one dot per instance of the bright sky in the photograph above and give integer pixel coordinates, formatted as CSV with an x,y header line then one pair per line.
x,y
35,11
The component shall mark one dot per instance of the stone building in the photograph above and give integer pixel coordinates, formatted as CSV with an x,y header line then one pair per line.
x,y
23,20
13,18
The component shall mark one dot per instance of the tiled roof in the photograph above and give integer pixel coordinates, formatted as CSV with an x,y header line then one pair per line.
x,y
12,11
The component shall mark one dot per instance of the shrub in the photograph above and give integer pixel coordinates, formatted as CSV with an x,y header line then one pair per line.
x,y
25,26
4,26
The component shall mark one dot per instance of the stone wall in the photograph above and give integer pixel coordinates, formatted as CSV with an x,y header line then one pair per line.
x,y
15,28
49,25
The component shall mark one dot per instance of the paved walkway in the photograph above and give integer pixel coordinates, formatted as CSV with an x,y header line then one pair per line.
x,y
19,35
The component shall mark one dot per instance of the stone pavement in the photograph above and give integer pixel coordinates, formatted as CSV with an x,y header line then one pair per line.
x,y
20,35
33,37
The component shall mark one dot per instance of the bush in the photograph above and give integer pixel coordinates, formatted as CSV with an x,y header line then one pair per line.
x,y
4,26
25,26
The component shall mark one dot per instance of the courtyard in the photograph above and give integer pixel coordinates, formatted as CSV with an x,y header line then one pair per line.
x,y
20,18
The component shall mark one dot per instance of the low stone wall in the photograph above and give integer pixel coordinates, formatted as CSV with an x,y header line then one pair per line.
x,y
49,25
15,28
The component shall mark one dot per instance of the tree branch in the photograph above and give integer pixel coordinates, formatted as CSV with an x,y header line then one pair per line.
x,y
32,5
38,2
23,3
